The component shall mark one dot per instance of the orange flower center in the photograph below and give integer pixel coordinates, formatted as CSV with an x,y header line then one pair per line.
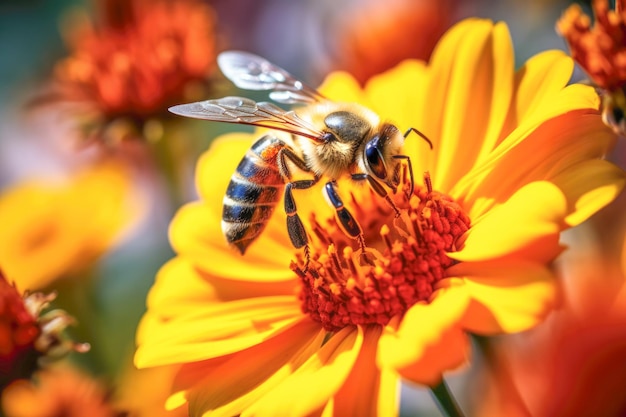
x,y
405,257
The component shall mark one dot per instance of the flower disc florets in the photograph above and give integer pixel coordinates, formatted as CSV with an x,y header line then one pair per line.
x,y
406,256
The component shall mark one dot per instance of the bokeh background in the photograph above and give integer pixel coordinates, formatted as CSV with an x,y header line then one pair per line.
x,y
47,138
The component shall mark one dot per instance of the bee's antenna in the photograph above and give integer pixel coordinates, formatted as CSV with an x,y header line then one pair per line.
x,y
423,136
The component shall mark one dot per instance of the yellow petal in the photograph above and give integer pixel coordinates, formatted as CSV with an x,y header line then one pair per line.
x,y
196,234
178,290
538,81
529,221
215,167
343,87
404,110
429,340
553,139
506,296
217,329
311,386
228,386
589,186
472,70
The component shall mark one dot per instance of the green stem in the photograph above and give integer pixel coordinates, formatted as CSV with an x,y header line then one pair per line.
x,y
446,402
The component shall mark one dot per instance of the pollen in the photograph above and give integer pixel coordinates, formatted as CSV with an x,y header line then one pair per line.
x,y
405,256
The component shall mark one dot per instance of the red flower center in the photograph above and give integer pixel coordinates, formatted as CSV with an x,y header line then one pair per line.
x,y
405,256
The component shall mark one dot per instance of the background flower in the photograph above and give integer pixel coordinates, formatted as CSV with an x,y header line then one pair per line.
x,y
138,59
55,229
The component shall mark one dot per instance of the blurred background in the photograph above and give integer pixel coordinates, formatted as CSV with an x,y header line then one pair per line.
x,y
92,167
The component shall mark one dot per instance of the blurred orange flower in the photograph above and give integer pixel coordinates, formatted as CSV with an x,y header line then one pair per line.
x,y
139,58
54,229
374,36
58,391
601,52
572,364
512,166
28,338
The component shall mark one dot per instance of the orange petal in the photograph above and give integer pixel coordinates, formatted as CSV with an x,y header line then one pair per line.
x,y
507,296
430,339
368,391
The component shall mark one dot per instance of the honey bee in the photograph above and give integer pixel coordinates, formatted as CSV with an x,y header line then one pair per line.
x,y
329,140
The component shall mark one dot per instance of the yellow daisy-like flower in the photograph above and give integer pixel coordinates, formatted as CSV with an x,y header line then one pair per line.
x,y
516,159
52,229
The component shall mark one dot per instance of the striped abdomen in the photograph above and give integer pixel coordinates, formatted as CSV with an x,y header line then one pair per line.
x,y
253,192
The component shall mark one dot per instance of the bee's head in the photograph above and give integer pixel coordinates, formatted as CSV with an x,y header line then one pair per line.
x,y
379,154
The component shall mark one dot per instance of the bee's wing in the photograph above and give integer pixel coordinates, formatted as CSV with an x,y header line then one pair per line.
x,y
251,72
242,110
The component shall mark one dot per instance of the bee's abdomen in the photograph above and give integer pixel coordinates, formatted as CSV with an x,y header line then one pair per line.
x,y
252,194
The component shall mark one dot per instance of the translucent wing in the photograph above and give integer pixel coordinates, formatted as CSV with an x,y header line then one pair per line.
x,y
242,110
251,72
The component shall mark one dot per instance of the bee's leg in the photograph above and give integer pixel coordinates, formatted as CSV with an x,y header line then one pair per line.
x,y
411,179
295,228
347,222
378,189
283,168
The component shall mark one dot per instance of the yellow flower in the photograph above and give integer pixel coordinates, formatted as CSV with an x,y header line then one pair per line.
x,y
516,160
54,229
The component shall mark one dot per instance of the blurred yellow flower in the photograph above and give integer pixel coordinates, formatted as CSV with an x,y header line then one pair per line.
x,y
516,160
601,52
138,58
56,229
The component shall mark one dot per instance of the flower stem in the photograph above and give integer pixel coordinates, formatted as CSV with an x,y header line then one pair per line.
x,y
446,402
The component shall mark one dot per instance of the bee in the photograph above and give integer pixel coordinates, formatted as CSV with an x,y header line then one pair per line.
x,y
329,140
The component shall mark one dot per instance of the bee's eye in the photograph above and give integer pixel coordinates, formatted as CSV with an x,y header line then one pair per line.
x,y
375,159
